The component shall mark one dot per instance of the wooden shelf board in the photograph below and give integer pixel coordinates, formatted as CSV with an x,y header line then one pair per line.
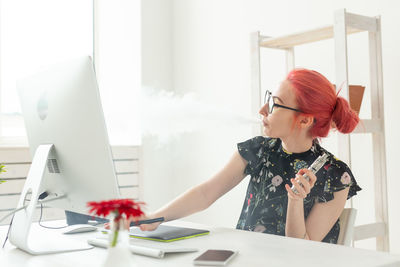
x,y
291,40
369,126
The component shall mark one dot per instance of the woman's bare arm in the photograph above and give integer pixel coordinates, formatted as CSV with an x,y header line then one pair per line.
x,y
203,195
324,215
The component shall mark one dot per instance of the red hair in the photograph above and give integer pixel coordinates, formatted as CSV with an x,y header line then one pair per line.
x,y
316,96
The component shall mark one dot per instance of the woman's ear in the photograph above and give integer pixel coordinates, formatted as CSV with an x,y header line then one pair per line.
x,y
306,121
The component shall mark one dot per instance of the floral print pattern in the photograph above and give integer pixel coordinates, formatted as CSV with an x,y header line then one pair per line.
x,y
271,167
277,180
345,179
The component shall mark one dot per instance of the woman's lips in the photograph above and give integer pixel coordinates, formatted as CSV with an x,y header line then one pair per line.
x,y
264,123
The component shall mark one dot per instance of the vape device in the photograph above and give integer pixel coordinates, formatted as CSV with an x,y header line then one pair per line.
x,y
317,164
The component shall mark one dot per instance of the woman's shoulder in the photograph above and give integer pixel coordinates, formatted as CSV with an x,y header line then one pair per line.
x,y
267,142
338,169
335,176
255,150
332,161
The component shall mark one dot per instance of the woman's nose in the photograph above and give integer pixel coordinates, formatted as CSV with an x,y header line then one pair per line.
x,y
264,110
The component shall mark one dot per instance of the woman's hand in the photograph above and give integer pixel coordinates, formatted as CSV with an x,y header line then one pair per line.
x,y
305,187
151,226
146,227
143,227
126,222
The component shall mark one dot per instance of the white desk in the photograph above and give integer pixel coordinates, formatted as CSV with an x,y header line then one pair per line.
x,y
255,249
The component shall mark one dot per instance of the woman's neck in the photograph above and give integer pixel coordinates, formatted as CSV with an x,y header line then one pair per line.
x,y
297,144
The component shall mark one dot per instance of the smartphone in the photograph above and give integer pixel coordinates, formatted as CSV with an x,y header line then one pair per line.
x,y
215,257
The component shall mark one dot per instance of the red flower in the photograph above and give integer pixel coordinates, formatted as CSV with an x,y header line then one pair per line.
x,y
119,206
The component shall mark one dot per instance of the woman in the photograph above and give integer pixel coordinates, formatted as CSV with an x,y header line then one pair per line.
x,y
303,109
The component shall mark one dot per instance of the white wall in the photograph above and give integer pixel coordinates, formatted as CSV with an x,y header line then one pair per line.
x,y
208,44
156,73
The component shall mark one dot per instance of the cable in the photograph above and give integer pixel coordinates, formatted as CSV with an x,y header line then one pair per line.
x,y
43,195
12,212
41,201
8,232
44,226
41,210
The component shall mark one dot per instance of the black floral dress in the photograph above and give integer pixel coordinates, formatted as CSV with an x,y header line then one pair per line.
x,y
270,168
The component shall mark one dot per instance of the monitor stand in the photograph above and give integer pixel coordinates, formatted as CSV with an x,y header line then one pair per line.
x,y
39,241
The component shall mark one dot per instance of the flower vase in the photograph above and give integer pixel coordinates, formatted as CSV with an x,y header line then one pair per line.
x,y
118,252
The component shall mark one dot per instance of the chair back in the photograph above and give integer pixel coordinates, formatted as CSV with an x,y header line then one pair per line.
x,y
346,221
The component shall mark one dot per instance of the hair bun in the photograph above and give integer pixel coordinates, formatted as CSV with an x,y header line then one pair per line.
x,y
343,116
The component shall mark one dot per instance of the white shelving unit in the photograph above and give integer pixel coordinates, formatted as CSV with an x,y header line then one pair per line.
x,y
344,23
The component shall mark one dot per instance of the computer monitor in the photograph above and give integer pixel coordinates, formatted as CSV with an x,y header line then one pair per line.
x,y
70,148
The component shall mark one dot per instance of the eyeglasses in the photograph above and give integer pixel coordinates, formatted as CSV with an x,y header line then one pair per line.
x,y
268,99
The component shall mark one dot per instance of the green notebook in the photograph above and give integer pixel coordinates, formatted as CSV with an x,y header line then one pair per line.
x,y
165,233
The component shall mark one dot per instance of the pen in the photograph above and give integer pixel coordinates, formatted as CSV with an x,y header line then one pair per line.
x,y
160,219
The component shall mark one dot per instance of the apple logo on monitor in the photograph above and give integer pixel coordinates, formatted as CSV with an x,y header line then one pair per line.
x,y
42,106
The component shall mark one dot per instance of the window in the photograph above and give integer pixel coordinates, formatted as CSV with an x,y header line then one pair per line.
x,y
37,33
34,34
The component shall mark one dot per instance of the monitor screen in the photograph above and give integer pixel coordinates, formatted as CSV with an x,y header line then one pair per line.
x,y
61,106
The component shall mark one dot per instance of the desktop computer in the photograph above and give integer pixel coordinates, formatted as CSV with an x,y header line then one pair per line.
x,y
71,156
